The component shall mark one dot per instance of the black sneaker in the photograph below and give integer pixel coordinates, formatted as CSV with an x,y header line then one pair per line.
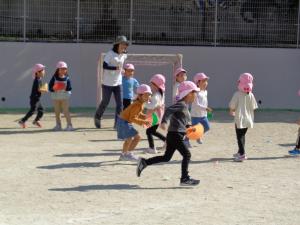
x,y
140,166
97,123
189,182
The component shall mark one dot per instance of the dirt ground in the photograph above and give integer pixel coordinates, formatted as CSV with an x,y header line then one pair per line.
x,y
63,178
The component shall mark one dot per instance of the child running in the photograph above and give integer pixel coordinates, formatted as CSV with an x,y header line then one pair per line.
x,y
242,106
179,77
200,105
60,88
180,119
133,114
36,92
129,85
156,105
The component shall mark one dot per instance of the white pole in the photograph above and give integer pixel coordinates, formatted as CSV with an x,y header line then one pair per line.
x,y
24,20
216,23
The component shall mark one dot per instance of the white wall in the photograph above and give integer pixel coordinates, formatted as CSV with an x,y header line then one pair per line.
x,y
276,71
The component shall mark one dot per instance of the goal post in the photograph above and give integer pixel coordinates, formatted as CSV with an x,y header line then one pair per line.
x,y
175,60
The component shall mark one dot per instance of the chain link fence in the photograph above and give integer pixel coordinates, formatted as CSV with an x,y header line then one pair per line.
x,y
248,23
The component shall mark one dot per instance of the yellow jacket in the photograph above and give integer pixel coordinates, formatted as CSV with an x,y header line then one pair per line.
x,y
133,113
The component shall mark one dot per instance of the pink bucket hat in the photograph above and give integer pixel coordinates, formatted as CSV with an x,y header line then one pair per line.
x,y
129,66
159,80
179,70
61,64
185,88
143,88
200,76
36,68
245,82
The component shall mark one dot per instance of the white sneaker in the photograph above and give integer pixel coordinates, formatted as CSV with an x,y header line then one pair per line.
x,y
122,157
150,150
130,157
57,127
236,155
199,141
69,128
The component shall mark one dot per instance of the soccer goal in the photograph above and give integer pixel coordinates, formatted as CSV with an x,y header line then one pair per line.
x,y
142,60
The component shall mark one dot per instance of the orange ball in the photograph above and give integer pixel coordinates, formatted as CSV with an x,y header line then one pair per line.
x,y
195,132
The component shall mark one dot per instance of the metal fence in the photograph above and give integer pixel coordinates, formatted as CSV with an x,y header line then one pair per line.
x,y
250,23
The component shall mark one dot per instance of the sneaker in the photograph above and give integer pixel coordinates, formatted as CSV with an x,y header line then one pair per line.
x,y
122,157
141,165
187,144
236,155
150,150
199,141
130,157
189,182
69,128
97,123
294,152
37,123
57,127
22,124
240,158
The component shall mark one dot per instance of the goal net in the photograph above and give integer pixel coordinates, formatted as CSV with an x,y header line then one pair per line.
x,y
175,60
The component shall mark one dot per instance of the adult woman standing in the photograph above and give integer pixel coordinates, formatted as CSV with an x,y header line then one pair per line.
x,y
112,78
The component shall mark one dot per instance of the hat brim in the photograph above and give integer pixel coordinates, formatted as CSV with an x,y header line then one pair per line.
x,y
186,92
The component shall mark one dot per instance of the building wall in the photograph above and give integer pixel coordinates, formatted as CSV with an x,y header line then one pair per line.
x,y
276,71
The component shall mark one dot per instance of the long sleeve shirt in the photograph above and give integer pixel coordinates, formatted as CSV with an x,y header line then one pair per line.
x,y
179,117
200,104
35,90
133,113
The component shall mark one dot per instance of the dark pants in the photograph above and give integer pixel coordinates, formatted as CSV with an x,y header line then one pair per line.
x,y
35,104
298,140
126,103
152,131
174,141
240,135
106,95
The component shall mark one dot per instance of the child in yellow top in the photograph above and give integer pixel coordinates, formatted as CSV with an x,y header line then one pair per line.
x,y
133,114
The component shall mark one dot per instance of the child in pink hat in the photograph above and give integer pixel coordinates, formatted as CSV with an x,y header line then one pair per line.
x,y
60,88
179,77
242,106
38,72
200,105
180,119
156,105
129,85
133,114
296,150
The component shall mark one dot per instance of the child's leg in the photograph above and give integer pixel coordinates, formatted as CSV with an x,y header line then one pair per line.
x,y
298,140
186,154
240,135
40,112
57,110
149,132
205,123
126,145
136,139
33,104
157,134
172,140
65,107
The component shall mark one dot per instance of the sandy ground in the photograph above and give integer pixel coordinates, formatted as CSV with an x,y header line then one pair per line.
x,y
63,178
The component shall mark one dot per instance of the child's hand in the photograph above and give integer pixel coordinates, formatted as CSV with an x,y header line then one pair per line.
x,y
232,113
147,123
209,109
163,126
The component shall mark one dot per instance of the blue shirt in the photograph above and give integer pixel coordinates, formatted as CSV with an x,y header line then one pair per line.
x,y
129,86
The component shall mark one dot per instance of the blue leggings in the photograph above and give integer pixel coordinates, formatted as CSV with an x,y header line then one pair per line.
x,y
203,120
